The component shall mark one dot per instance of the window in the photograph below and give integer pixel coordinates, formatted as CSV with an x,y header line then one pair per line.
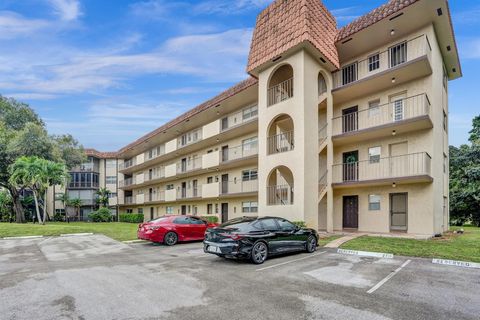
x,y
249,112
269,224
248,175
209,180
181,220
110,179
374,154
249,206
60,211
112,195
445,79
209,208
373,62
169,210
374,202
140,210
216,207
398,54
111,163
249,146
445,163
445,121
373,108
129,210
349,73
285,225
169,187
195,221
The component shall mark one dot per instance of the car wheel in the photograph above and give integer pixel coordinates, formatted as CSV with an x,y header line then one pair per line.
x,y
170,238
259,253
311,244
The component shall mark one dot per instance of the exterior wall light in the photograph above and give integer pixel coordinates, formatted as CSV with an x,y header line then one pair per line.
x,y
394,185
394,80
394,132
392,32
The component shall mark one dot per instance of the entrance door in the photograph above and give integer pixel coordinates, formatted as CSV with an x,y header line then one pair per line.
x,y
151,213
224,183
350,119
224,153
350,212
184,209
398,211
350,166
184,189
224,212
184,165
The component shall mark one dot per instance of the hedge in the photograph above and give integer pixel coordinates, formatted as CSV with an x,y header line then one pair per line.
x,y
131,217
300,224
211,219
101,215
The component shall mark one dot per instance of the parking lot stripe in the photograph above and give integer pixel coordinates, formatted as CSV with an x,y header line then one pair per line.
x,y
382,282
294,260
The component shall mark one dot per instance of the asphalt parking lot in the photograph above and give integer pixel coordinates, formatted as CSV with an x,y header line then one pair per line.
x,y
95,277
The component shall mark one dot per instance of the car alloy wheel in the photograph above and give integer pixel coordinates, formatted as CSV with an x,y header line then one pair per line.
x,y
171,238
259,253
311,244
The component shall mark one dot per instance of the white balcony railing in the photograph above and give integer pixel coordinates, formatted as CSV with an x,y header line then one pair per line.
x,y
236,187
189,193
239,152
322,133
189,138
282,142
156,196
159,173
129,200
127,164
155,152
394,56
188,165
398,110
408,165
239,118
279,195
126,182
280,92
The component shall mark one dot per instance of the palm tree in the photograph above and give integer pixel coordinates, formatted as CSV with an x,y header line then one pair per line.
x,y
65,201
103,194
54,173
76,203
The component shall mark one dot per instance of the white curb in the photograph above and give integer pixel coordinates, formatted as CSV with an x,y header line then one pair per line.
x,y
366,253
76,234
134,241
24,237
455,263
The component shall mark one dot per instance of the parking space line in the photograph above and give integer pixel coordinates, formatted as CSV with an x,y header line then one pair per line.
x,y
382,282
294,260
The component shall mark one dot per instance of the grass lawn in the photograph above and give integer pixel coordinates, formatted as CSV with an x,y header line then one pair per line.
x,y
117,230
463,247
324,240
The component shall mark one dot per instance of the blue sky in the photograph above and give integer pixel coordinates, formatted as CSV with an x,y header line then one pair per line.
x,y
109,71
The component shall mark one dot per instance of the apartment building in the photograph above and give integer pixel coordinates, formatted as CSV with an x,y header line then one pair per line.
x,y
343,128
99,171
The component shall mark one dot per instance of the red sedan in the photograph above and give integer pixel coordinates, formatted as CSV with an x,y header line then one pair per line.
x,y
172,229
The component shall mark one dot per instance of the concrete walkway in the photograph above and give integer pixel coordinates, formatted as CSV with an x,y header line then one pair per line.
x,y
338,242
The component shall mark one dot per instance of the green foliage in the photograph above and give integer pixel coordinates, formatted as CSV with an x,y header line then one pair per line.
x,y
101,215
211,219
465,179
71,152
102,197
300,224
6,206
131,217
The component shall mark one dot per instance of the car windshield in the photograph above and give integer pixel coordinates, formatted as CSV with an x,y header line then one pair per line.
x,y
240,224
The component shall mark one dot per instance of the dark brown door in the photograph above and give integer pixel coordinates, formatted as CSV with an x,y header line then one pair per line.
x,y
350,166
224,183
350,211
224,212
350,119
225,153
398,211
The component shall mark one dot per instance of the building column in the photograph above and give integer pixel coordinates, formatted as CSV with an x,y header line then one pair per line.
x,y
329,194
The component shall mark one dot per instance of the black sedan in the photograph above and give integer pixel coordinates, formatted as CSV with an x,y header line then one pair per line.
x,y
258,238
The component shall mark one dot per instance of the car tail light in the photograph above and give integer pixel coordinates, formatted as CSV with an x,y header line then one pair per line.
x,y
233,236
154,227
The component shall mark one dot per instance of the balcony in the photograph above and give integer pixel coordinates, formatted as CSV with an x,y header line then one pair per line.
x,y
240,152
189,138
402,62
279,143
190,193
127,164
188,165
322,134
279,195
322,183
83,185
129,200
237,187
280,92
154,175
126,183
401,115
239,118
408,168
156,197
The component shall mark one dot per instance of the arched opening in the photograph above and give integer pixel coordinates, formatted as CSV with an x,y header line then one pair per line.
x,y
280,86
322,84
280,186
280,136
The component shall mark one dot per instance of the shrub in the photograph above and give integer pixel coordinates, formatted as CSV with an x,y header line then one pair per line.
x,y
300,224
131,217
211,219
59,217
101,215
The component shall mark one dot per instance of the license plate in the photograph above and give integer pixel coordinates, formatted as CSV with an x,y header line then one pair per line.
x,y
213,249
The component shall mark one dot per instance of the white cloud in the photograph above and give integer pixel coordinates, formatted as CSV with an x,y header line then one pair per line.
x,y
228,6
67,10
470,48
13,25
31,96
345,15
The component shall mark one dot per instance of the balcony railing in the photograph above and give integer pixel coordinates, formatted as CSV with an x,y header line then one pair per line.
x,y
82,185
282,142
189,165
157,196
322,182
127,164
129,200
279,195
235,187
394,56
189,193
239,118
322,133
189,138
127,182
155,153
157,174
408,165
280,92
239,152
398,110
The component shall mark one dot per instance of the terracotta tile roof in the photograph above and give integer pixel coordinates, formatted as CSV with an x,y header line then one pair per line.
x,y
100,154
245,84
378,14
285,24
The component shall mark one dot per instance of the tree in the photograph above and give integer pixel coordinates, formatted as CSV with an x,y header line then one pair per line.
x,y
37,174
76,203
465,179
70,150
102,197
6,206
